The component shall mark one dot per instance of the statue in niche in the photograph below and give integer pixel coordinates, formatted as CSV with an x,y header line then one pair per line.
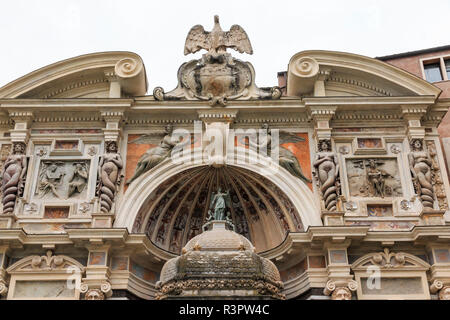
x,y
13,176
51,177
286,159
420,166
79,179
327,173
109,169
377,179
156,155
219,204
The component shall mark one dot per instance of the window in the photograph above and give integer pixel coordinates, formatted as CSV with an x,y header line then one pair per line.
x,y
436,69
433,72
447,68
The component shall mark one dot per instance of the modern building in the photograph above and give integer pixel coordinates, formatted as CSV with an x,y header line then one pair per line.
x,y
334,190
432,65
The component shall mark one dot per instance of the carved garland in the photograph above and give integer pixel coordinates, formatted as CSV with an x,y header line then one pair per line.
x,y
263,287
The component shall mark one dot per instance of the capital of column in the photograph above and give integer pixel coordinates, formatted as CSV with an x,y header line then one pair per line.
x,y
22,123
113,119
321,115
413,116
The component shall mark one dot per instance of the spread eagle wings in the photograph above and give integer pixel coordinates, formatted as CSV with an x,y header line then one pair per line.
x,y
236,39
196,40
289,137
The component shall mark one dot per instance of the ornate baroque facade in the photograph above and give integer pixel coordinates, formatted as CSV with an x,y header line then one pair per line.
x,y
340,181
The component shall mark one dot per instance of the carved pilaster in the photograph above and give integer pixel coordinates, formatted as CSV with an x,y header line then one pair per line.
x,y
97,280
340,284
216,137
412,116
321,115
22,122
113,130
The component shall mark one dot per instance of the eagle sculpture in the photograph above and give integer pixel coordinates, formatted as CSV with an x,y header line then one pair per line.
x,y
217,41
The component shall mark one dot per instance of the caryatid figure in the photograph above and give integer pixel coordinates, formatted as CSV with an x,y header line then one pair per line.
x,y
109,170
420,166
13,176
327,170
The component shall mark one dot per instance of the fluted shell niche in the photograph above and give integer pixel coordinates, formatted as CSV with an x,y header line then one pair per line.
x,y
176,210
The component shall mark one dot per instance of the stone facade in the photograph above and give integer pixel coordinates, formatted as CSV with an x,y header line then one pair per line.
x,y
339,182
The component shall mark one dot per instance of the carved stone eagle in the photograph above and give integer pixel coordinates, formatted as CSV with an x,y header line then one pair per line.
x,y
217,41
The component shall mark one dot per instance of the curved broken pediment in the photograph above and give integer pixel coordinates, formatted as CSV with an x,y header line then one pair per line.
x,y
330,73
85,76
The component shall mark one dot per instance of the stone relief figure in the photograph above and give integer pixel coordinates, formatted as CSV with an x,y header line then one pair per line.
x,y
377,179
327,173
420,166
51,177
220,202
156,155
13,176
286,159
109,169
79,179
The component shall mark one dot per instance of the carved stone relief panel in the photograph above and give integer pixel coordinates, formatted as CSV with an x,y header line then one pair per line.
x,y
436,176
373,177
62,179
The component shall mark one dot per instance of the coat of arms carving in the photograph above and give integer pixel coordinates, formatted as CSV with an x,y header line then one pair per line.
x,y
217,76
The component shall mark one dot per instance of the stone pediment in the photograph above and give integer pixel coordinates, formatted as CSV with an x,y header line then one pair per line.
x,y
48,263
86,76
329,73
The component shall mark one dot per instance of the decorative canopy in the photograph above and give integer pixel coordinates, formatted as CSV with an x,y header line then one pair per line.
x,y
175,211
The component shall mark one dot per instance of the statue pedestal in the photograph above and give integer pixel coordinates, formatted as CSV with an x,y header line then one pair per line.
x,y
333,218
432,217
102,220
7,221
217,224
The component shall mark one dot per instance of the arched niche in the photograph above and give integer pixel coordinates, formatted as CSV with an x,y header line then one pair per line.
x,y
170,203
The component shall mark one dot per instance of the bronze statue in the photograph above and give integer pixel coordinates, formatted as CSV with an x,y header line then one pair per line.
x,y
13,176
420,166
156,155
109,169
327,172
220,201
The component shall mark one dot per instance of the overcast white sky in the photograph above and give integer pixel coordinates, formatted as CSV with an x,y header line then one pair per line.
x,y
36,33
